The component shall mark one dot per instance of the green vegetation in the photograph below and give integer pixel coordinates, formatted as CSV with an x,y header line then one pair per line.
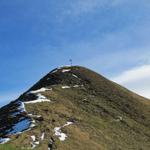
x,y
105,115
7,147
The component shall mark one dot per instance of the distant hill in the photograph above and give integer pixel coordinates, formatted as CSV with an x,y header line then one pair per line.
x,y
74,108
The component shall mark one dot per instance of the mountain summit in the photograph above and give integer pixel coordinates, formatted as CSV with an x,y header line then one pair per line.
x,y
75,108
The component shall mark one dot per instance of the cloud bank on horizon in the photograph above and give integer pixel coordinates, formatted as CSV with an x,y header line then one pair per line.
x,y
108,36
136,79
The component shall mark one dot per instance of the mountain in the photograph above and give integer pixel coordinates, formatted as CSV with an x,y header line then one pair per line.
x,y
75,108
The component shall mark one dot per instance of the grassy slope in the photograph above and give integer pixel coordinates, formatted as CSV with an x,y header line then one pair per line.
x,y
95,109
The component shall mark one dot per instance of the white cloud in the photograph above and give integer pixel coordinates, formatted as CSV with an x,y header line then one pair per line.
x,y
133,75
80,7
136,79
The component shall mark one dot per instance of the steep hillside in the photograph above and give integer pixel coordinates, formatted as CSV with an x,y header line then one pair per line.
x,y
75,108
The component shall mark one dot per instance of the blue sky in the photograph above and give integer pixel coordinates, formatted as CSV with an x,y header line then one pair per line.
x,y
109,36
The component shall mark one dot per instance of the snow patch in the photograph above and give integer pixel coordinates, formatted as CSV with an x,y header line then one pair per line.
x,y
40,96
21,108
62,136
119,118
58,132
66,87
34,116
42,136
33,138
39,90
34,143
37,142
40,99
68,123
75,76
32,124
61,67
37,101
66,70
76,86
